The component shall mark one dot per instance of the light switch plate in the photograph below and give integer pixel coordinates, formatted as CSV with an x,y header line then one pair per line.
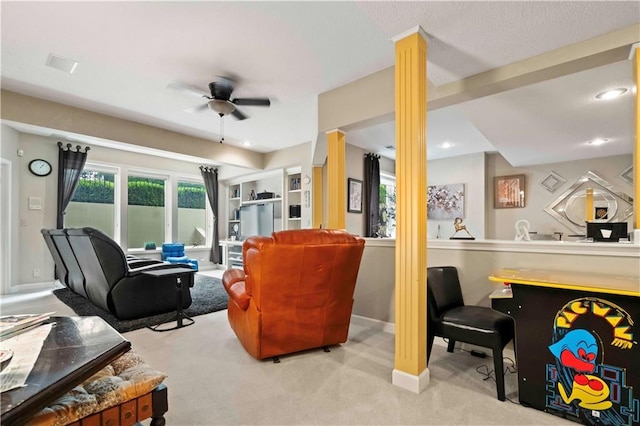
x,y
35,203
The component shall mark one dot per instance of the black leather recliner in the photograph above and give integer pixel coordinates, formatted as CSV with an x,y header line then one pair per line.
x,y
450,318
67,266
98,269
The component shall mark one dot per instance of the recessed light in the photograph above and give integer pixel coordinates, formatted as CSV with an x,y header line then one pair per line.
x,y
598,141
61,64
611,94
247,143
445,145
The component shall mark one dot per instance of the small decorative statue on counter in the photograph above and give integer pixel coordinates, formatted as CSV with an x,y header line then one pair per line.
x,y
522,230
457,224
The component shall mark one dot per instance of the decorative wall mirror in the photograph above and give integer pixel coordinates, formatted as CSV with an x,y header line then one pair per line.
x,y
609,203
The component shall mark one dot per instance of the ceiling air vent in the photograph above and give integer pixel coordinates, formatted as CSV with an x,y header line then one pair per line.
x,y
390,147
61,64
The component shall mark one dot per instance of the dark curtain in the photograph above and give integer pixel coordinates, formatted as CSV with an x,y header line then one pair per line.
x,y
210,177
372,194
70,165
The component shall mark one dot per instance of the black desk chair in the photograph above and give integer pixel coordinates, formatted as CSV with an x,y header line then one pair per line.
x,y
450,318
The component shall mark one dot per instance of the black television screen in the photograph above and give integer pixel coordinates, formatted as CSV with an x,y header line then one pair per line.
x,y
607,231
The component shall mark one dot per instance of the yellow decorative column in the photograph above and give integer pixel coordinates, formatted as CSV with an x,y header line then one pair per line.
x,y
336,180
589,213
410,370
635,56
317,196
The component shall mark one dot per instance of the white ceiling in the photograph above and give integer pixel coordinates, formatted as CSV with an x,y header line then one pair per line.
x,y
128,52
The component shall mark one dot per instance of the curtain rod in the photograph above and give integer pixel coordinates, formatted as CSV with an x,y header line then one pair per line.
x,y
69,146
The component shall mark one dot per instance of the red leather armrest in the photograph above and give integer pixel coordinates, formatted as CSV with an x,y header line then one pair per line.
x,y
233,282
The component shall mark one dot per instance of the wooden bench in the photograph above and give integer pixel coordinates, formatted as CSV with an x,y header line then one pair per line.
x,y
124,393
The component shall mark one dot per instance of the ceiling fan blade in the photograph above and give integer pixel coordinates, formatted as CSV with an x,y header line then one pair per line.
x,y
238,114
252,101
185,88
198,108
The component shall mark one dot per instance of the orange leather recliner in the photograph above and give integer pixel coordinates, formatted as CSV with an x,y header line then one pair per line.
x,y
295,292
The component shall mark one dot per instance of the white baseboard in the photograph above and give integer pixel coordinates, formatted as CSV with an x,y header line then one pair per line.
x,y
415,384
34,287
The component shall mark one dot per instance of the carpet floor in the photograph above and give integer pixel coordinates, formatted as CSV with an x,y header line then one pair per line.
x,y
207,296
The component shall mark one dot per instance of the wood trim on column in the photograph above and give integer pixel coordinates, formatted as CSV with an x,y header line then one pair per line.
x,y
411,212
636,147
317,196
336,180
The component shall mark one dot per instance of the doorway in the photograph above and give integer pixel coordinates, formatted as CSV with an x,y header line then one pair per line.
x,y
5,226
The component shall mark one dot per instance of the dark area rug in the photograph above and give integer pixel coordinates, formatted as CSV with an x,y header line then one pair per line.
x,y
207,296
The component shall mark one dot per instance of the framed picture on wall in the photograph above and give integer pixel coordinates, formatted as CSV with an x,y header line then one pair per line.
x,y
354,196
509,192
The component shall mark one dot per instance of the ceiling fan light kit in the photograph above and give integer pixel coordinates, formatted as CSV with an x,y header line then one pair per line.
x,y
221,107
219,100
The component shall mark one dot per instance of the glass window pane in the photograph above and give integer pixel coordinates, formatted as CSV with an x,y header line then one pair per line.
x,y
93,202
191,213
146,214
387,224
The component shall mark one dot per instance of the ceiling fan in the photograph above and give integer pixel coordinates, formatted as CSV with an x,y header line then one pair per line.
x,y
219,98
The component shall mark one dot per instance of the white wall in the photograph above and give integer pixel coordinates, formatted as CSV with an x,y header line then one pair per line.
x,y
470,171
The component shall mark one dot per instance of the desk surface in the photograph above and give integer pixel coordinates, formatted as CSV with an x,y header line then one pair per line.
x,y
601,283
76,348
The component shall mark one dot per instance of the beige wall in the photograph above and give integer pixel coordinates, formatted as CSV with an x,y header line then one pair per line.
x,y
374,295
295,156
31,253
501,222
476,260
354,164
9,198
363,102
52,115
29,250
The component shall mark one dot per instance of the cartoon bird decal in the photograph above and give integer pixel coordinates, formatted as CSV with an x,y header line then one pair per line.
x,y
578,350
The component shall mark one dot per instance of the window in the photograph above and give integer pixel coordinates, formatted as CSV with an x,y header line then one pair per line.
x,y
191,213
93,202
158,207
387,223
146,215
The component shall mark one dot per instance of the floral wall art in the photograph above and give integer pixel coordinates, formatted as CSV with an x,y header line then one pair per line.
x,y
445,201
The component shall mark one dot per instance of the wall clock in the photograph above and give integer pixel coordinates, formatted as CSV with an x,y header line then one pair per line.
x,y
40,167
